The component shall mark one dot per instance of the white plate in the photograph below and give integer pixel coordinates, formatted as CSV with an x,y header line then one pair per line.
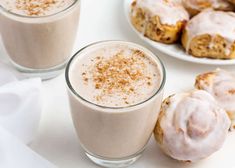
x,y
173,50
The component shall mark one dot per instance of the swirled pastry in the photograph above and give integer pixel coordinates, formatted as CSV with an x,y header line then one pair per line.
x,y
196,6
191,126
221,85
161,20
211,34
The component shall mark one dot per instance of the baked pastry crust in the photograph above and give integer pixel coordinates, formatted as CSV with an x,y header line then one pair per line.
x,y
210,34
150,23
183,133
221,85
196,6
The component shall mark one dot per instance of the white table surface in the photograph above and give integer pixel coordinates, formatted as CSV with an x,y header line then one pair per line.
x,y
57,140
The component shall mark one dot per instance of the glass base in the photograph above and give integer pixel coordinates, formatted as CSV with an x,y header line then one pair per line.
x,y
44,74
114,163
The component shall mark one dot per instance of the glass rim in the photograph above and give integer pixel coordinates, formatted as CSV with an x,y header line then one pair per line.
x,y
69,85
38,17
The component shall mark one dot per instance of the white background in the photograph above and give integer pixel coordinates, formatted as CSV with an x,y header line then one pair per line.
x,y
57,141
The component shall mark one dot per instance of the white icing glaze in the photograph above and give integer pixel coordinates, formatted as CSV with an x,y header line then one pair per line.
x,y
169,12
215,4
222,87
194,126
213,23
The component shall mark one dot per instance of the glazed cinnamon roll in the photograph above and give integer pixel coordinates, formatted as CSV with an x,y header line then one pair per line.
x,y
159,20
191,126
196,6
221,85
210,34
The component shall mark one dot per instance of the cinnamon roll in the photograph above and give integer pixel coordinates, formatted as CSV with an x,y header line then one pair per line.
x,y
191,126
161,20
210,34
196,6
221,85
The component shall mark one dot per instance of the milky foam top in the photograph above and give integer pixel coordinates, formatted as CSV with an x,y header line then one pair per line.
x,y
194,126
170,12
35,7
115,75
212,23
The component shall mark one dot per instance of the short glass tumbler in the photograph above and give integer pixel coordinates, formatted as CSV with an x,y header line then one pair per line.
x,y
113,136
40,45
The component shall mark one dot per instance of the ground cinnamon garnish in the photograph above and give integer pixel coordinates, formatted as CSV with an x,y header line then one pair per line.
x,y
118,73
36,7
84,76
232,91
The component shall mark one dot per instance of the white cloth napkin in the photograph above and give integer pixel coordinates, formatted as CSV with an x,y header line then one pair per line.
x,y
14,154
20,110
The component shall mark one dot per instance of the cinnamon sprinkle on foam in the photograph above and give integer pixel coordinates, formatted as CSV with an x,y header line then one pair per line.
x,y
118,74
37,7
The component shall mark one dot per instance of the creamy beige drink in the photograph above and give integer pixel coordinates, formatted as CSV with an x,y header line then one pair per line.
x,y
115,91
39,34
